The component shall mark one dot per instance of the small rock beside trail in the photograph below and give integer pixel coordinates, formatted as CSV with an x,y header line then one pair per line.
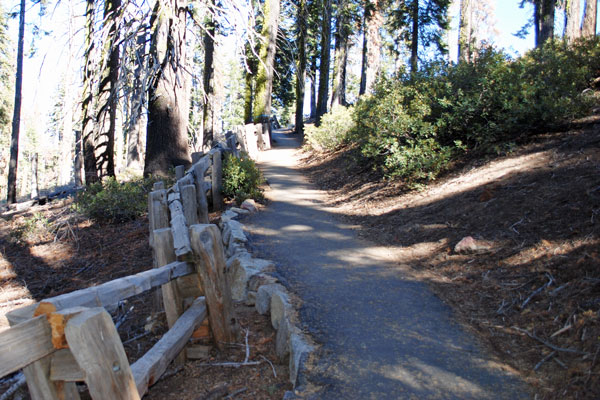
x,y
249,205
470,245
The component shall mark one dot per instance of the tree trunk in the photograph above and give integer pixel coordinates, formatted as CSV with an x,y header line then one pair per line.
x,y
107,94
313,89
465,31
208,84
66,143
264,78
16,123
414,43
136,105
374,24
547,20
338,95
87,121
324,67
78,157
537,22
589,18
168,96
301,68
363,69
573,25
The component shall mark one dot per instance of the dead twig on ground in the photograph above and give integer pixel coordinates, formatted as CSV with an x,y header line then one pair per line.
x,y
543,360
233,394
538,290
548,344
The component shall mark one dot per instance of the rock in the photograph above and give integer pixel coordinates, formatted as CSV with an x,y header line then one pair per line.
x,y
280,308
227,216
235,249
299,350
249,205
240,269
250,298
239,211
263,297
282,340
259,280
469,245
233,231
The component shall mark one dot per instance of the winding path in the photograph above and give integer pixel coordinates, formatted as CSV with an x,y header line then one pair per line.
x,y
383,335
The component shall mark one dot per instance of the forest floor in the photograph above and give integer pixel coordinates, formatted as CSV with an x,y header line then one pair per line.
x,y
49,250
532,293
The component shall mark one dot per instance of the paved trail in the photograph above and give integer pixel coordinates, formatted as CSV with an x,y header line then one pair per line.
x,y
383,334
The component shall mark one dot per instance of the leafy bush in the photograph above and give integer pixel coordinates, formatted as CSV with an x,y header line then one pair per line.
x,y
333,130
241,179
415,125
111,201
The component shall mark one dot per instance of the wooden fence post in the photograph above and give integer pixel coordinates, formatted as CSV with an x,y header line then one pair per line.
x,y
217,181
202,202
210,265
96,346
158,212
190,207
179,172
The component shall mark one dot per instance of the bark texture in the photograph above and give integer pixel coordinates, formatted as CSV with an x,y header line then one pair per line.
x,y
301,68
323,93
168,97
589,18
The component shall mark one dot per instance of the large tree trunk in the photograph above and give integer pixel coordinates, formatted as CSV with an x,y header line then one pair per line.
x,y
544,20
264,78
107,94
301,68
374,24
414,42
573,30
325,58
168,97
16,123
208,83
465,30
342,34
589,18
87,120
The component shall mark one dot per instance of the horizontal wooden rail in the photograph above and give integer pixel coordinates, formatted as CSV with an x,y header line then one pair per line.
x,y
148,369
24,343
109,293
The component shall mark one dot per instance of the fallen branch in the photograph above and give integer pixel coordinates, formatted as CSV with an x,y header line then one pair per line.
x,y
538,291
233,394
271,364
550,345
549,356
14,387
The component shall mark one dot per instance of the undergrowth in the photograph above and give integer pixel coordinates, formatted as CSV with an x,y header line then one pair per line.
x,y
414,126
112,201
241,179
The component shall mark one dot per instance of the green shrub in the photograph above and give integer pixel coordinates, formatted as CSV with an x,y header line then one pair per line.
x,y
111,201
241,179
333,130
415,125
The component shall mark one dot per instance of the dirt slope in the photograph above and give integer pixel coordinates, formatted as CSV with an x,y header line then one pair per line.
x,y
534,297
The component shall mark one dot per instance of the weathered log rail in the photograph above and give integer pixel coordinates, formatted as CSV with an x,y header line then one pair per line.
x,y
71,338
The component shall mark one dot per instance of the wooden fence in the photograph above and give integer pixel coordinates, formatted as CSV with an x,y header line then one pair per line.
x,y
72,338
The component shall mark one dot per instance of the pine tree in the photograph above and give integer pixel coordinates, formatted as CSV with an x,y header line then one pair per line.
x,y
168,96
16,122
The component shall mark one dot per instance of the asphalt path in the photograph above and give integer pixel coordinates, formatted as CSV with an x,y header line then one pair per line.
x,y
382,334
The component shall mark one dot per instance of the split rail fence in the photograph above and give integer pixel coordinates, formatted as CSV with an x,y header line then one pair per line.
x,y
72,338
